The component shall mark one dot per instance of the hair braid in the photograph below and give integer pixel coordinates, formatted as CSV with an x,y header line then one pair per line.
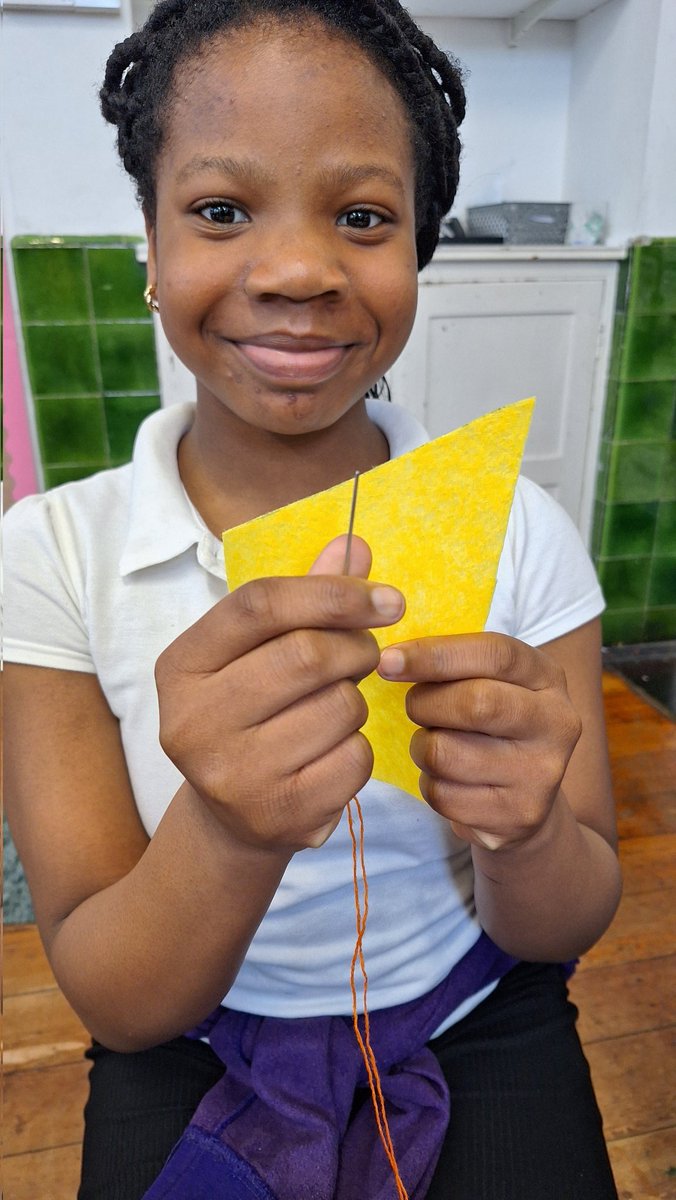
x,y
446,76
446,68
136,92
437,148
127,99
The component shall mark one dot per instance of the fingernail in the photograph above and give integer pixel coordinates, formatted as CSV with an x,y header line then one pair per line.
x,y
387,601
392,662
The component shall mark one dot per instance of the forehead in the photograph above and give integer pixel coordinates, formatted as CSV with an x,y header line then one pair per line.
x,y
288,93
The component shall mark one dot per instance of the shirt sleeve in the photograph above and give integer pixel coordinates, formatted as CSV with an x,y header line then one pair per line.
x,y
44,612
555,586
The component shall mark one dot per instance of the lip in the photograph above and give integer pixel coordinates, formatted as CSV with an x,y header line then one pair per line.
x,y
294,359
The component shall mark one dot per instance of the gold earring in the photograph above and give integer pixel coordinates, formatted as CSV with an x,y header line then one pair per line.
x,y
151,299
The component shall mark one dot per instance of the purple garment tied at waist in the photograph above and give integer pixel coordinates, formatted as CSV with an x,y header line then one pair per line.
x,y
282,1123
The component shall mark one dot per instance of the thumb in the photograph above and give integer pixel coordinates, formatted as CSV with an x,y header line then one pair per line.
x,y
331,561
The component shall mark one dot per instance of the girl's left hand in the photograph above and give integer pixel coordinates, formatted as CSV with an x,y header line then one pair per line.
x,y
497,731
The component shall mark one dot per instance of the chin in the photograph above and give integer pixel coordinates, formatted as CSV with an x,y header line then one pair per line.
x,y
295,412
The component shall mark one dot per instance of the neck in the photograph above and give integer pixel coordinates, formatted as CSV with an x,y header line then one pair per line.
x,y
233,472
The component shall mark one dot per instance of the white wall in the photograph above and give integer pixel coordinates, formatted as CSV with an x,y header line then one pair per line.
x,y
64,171
657,211
60,172
622,126
577,111
514,134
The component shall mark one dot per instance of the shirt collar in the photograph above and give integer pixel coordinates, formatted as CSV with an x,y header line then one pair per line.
x,y
164,524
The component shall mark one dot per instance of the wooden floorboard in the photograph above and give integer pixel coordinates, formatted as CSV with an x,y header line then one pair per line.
x,y
634,1078
632,997
43,1107
51,1174
647,863
25,968
625,989
644,925
41,1030
644,1166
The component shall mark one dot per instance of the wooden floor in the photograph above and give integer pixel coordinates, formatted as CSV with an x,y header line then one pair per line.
x,y
625,989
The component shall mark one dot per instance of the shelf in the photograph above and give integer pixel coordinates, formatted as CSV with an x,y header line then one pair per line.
x,y
468,252
559,10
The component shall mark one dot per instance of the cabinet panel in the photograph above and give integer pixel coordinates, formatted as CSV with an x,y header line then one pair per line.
x,y
478,345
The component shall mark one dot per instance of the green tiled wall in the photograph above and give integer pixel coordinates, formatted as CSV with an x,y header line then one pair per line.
x,y
90,349
634,540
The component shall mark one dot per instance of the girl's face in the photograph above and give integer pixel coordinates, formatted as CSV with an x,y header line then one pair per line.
x,y
284,241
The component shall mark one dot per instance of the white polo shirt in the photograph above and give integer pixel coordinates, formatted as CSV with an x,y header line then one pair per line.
x,y
102,574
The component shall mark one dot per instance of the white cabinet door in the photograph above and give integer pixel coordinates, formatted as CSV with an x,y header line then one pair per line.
x,y
479,345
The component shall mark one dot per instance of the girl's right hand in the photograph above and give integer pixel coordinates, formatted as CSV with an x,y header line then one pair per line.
x,y
259,705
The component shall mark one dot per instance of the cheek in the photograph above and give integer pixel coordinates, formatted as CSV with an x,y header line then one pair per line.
x,y
398,300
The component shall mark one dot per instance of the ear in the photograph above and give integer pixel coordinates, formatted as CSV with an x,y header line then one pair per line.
x,y
151,266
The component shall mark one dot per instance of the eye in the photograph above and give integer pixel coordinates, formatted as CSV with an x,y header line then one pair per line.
x,y
220,212
361,218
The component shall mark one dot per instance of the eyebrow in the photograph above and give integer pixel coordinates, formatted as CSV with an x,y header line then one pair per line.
x,y
346,176
249,171
245,169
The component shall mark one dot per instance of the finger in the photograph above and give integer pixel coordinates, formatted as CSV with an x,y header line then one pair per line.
x,y
313,798
470,656
295,665
331,561
478,837
464,758
301,808
478,812
317,837
474,804
338,775
485,706
265,608
326,718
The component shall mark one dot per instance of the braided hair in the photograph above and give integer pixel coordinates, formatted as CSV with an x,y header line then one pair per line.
x,y
136,93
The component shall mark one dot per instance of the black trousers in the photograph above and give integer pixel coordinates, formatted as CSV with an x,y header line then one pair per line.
x,y
524,1121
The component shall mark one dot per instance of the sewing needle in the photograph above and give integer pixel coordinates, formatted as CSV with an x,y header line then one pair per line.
x,y
350,528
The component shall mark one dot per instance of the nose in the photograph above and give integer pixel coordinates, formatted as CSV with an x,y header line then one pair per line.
x,y
299,265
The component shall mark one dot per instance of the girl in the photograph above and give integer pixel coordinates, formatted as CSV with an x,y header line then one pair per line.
x,y
293,158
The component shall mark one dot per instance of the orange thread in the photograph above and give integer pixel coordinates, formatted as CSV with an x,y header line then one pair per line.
x,y
377,1098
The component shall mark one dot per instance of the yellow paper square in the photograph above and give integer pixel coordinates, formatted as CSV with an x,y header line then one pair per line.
x,y
435,519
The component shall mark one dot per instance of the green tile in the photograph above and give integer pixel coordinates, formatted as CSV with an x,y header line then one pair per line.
x,y
634,473
668,477
610,410
54,476
622,627
32,240
127,355
617,347
623,284
24,241
61,360
624,581
117,282
662,588
71,430
650,349
665,533
629,529
660,624
51,284
602,469
654,280
597,528
123,417
645,411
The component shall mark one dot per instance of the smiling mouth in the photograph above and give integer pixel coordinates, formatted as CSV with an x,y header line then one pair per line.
x,y
299,363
